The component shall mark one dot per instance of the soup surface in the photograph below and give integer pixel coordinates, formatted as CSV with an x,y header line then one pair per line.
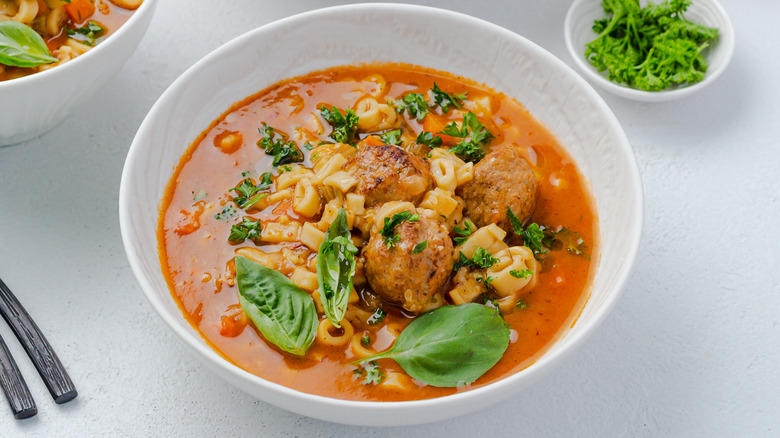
x,y
443,183
66,29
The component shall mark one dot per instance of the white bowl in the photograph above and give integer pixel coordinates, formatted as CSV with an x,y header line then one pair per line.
x,y
553,92
578,31
32,105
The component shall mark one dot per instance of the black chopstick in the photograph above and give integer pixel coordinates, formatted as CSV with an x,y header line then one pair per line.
x,y
42,355
14,386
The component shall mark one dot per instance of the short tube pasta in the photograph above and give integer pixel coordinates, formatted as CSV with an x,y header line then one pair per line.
x,y
326,336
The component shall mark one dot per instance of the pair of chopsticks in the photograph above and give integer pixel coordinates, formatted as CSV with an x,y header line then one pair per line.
x,y
43,357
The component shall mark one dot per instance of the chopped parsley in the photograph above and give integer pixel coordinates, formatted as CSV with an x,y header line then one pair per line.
x,y
388,230
249,193
344,123
475,138
198,196
523,273
308,146
365,340
283,151
414,104
429,139
490,302
371,372
463,233
392,137
447,100
521,304
481,259
420,247
540,239
247,229
227,212
377,317
90,32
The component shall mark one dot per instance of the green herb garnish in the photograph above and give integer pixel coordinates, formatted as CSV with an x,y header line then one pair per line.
x,y
20,46
649,48
476,138
283,312
90,31
336,268
481,259
450,346
388,230
414,104
420,247
227,212
392,137
250,194
372,374
447,100
523,273
463,233
377,317
344,123
284,151
247,229
429,139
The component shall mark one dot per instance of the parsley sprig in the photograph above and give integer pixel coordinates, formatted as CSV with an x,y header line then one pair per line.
x,y
475,138
344,123
250,194
284,151
445,100
649,48
463,233
388,230
481,259
248,229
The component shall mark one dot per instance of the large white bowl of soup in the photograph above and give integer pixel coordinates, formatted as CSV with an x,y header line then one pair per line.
x,y
381,214
55,54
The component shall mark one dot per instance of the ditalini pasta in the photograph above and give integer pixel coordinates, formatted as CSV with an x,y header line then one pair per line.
x,y
383,194
53,32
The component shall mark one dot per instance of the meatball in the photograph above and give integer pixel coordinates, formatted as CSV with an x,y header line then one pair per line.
x,y
412,281
502,179
389,173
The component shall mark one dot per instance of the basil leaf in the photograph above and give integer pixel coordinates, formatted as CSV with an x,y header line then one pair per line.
x,y
20,46
336,268
450,346
283,312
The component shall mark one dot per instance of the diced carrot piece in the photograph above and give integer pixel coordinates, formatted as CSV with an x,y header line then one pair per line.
x,y
79,10
435,124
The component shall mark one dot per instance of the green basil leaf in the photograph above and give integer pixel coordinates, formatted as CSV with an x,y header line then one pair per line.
x,y
450,346
336,268
20,46
283,312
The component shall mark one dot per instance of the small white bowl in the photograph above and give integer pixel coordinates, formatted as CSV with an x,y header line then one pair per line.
x,y
32,105
578,32
418,35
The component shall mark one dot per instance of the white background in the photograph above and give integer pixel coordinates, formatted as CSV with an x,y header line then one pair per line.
x,y
691,349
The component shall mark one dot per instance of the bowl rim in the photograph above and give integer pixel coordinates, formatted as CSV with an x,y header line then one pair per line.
x,y
503,386
725,44
33,79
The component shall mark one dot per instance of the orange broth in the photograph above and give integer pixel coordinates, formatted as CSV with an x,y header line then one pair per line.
x,y
197,258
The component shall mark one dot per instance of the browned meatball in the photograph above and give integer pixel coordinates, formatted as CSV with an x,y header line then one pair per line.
x,y
502,179
413,281
389,173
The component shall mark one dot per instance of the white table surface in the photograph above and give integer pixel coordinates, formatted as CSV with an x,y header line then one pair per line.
x,y
691,349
